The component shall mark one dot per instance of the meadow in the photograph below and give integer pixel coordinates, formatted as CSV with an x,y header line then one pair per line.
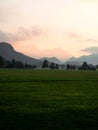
x,y
48,99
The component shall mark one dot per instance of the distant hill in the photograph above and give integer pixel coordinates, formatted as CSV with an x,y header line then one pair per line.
x,y
8,52
51,59
91,59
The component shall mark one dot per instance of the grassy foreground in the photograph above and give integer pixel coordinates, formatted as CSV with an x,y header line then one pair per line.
x,y
48,100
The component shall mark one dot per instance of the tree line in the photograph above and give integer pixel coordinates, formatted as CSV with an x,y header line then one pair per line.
x,y
84,66
45,65
51,65
18,64
14,64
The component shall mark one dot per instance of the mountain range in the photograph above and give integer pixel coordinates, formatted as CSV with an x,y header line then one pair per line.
x,y
90,59
9,53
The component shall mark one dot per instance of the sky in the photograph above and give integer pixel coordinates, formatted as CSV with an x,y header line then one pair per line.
x,y
40,28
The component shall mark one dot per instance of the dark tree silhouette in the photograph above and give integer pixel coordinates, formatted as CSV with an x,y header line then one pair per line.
x,y
45,64
14,64
57,66
84,66
73,67
1,62
52,66
68,66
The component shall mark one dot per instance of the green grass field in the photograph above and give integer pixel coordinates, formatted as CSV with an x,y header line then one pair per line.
x,y
48,100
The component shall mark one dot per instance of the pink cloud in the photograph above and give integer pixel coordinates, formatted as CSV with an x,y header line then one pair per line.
x,y
22,34
72,35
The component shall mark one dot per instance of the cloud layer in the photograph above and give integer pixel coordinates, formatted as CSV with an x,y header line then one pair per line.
x,y
91,50
21,34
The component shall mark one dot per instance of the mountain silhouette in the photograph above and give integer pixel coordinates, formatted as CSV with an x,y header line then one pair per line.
x,y
52,59
8,53
90,59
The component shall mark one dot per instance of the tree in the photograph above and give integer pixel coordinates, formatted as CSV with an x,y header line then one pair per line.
x,y
30,66
45,64
8,64
13,63
71,67
2,62
57,66
19,64
84,66
52,66
67,66
96,66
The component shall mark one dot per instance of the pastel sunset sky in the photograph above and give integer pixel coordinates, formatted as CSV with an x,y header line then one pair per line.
x,y
61,28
